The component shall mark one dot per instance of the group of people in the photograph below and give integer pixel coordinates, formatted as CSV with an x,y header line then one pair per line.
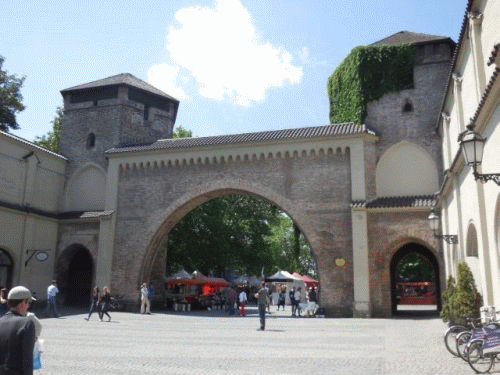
x,y
19,331
100,303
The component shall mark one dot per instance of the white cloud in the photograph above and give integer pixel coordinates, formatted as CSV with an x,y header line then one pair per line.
x,y
164,77
220,48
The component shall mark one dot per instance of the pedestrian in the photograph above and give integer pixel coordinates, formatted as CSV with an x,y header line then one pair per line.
x,y
3,301
94,302
291,295
231,297
17,333
105,300
262,301
243,301
145,303
281,300
51,299
269,299
151,294
296,301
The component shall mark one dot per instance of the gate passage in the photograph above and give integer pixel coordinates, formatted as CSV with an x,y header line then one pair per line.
x,y
416,293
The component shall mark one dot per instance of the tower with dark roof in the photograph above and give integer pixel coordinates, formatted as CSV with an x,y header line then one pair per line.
x,y
112,112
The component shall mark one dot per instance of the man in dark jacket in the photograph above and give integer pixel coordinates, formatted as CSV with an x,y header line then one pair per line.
x,y
17,334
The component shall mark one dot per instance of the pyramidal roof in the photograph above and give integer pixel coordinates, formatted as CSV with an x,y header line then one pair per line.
x,y
120,79
407,37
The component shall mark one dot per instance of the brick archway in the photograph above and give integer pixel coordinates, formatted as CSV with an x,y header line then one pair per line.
x,y
408,247
313,188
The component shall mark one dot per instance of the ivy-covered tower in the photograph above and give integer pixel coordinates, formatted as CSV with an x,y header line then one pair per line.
x,y
395,86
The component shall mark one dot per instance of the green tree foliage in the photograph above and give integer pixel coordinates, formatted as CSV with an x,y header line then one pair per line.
x,y
52,140
181,132
234,232
10,98
463,299
365,75
415,267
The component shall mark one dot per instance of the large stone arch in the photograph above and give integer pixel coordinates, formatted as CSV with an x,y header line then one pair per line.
x,y
194,198
145,216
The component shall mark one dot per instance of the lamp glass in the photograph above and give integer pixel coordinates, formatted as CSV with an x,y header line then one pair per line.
x,y
434,221
472,147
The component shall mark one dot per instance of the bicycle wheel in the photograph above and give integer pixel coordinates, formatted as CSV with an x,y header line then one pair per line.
x,y
450,338
479,362
463,339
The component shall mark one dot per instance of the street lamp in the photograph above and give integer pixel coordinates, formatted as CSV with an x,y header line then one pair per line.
x,y
472,146
434,224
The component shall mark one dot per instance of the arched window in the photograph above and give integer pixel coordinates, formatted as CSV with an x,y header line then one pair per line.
x,y
91,140
472,242
6,266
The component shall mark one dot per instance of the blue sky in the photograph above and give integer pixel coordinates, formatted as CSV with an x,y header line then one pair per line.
x,y
236,66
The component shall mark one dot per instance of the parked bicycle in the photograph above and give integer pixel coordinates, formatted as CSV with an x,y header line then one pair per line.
x,y
484,347
116,304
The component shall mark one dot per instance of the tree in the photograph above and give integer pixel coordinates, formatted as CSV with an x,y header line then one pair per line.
x,y
52,140
466,301
237,232
181,132
10,99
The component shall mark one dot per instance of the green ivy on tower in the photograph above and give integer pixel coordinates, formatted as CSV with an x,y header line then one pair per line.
x,y
365,75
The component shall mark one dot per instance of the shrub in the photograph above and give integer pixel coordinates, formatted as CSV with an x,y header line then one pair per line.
x,y
463,299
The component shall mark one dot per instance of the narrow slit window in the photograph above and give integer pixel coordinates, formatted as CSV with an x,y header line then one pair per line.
x,y
91,140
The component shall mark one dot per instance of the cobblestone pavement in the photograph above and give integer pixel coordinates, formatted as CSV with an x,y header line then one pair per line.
x,y
213,343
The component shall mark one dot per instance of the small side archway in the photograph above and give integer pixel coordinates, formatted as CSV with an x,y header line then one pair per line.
x,y
429,278
75,273
6,268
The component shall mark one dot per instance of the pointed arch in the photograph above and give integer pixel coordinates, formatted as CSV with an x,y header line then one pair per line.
x,y
406,169
86,189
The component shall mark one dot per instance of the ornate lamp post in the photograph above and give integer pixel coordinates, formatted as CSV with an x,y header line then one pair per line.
x,y
472,145
434,224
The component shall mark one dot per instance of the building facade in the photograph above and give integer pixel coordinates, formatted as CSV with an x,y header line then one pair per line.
x,y
470,209
360,194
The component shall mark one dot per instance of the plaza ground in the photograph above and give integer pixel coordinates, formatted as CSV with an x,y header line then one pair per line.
x,y
214,343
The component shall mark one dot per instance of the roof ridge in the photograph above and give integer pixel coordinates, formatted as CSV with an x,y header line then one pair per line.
x,y
342,129
120,79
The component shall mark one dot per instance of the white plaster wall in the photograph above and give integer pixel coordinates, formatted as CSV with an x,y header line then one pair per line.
x,y
404,170
87,189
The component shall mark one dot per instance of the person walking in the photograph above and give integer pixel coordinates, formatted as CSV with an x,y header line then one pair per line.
x,y
262,301
17,333
151,294
281,300
296,302
291,295
145,303
105,300
243,301
94,302
51,299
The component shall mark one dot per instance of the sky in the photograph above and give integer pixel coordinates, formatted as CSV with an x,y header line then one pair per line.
x,y
236,66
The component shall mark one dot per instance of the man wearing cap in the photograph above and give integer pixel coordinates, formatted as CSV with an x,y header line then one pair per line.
x,y
17,334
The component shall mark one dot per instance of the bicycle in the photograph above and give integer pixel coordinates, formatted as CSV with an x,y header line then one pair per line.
x,y
115,304
483,348
451,335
